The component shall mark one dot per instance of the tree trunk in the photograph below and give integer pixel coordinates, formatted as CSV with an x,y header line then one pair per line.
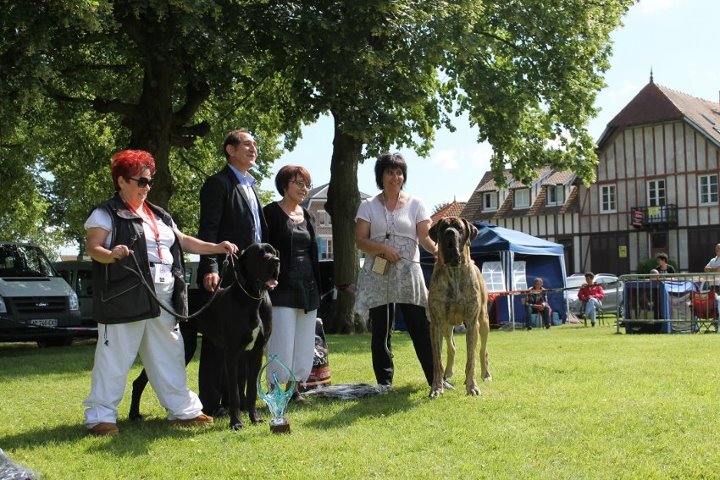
x,y
151,126
342,203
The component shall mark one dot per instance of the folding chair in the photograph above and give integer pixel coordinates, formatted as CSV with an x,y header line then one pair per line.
x,y
704,311
598,313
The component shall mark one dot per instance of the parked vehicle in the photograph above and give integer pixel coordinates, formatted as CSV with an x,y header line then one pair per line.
x,y
613,301
36,304
78,274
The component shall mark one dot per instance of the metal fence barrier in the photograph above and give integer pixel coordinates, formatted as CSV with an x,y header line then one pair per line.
x,y
648,303
670,303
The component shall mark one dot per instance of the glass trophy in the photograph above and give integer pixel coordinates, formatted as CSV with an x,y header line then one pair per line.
x,y
276,398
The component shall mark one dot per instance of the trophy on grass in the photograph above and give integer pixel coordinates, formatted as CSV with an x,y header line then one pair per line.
x,y
276,398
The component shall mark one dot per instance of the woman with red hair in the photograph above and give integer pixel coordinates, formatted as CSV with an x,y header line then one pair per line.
x,y
130,320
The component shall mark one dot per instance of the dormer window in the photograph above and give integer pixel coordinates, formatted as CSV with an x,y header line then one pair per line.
x,y
522,198
555,194
490,201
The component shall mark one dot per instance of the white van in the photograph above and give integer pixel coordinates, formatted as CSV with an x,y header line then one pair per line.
x,y
36,304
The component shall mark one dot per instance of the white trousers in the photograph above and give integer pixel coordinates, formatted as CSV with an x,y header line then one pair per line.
x,y
160,345
293,341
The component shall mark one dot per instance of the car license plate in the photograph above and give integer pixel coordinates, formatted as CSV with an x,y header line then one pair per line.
x,y
44,322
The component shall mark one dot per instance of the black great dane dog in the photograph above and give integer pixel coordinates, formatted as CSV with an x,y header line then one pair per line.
x,y
239,320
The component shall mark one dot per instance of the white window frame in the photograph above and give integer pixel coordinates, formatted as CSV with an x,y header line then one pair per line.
x,y
325,247
524,191
556,194
494,276
708,189
492,199
656,193
608,198
519,275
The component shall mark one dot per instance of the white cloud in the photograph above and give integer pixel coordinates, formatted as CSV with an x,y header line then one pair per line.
x,y
446,159
481,155
451,159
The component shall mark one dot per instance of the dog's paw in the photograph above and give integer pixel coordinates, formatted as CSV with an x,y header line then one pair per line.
x,y
436,392
487,377
237,426
473,390
136,417
255,418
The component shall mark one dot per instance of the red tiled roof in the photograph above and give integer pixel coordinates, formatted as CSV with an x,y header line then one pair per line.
x,y
450,210
559,178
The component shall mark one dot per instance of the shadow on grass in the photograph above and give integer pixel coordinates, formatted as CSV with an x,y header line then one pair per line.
x,y
398,400
20,361
135,439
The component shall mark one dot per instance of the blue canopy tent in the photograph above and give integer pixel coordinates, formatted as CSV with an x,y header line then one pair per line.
x,y
542,259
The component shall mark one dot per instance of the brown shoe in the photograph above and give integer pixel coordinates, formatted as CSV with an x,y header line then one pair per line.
x,y
201,420
104,429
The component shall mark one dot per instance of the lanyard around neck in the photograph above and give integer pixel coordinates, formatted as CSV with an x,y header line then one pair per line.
x,y
151,223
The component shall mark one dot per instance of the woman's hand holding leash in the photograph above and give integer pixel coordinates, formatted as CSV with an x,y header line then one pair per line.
x,y
118,252
227,248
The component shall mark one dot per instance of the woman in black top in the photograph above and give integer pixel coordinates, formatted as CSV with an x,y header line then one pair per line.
x,y
662,264
295,300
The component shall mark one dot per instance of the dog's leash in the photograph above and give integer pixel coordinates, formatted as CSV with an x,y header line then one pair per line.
x,y
162,305
237,280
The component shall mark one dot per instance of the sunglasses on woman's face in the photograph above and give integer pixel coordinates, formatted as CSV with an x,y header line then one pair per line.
x,y
143,182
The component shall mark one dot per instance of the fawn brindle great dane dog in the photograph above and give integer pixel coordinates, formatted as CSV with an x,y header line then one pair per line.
x,y
457,295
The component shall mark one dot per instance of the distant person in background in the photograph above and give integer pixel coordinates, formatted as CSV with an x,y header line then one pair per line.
x,y
291,230
536,302
663,266
591,295
713,266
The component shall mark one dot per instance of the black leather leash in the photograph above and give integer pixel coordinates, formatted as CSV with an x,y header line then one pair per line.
x,y
162,305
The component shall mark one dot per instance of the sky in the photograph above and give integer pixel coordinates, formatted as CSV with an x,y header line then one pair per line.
x,y
674,38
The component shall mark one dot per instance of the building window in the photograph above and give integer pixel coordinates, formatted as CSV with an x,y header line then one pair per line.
x,y
656,193
325,248
493,275
324,218
490,201
519,275
522,198
608,202
708,189
555,194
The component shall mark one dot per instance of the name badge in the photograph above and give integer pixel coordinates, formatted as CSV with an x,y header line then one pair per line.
x,y
162,273
380,266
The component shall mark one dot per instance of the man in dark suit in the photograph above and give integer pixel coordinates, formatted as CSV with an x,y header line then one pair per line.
x,y
230,210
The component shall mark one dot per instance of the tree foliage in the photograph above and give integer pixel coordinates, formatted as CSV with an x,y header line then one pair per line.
x,y
82,79
391,72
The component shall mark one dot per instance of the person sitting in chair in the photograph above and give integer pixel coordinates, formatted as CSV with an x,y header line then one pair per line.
x,y
591,295
536,302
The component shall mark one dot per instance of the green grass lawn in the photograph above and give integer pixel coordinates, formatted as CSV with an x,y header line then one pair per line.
x,y
568,403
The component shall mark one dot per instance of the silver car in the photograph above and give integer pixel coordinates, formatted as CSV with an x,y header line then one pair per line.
x,y
613,301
